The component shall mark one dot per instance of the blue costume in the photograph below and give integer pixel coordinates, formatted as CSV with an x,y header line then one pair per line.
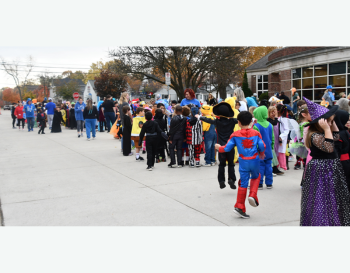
x,y
251,102
266,130
249,144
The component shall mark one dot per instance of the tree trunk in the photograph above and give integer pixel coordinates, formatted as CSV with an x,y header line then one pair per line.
x,y
222,91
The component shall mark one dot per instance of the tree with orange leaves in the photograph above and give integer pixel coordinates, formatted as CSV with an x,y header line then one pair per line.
x,y
10,95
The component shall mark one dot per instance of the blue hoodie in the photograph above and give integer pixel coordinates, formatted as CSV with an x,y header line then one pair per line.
x,y
78,111
29,109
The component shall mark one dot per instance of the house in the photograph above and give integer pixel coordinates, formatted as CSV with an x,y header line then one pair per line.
x,y
90,92
164,92
309,69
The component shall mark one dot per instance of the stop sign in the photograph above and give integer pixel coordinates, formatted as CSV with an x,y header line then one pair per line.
x,y
76,95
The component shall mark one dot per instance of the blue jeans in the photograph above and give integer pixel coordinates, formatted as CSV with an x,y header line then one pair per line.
x,y
110,118
90,127
266,170
295,107
209,142
30,122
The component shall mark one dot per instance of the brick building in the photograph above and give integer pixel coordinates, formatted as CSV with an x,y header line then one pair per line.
x,y
308,69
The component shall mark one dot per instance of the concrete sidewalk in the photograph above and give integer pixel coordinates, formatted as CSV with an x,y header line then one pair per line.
x,y
62,180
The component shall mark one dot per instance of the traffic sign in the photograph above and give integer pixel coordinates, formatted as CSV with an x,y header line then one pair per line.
x,y
167,78
76,95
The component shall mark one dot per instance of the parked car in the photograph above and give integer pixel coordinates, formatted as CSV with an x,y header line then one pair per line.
x,y
7,107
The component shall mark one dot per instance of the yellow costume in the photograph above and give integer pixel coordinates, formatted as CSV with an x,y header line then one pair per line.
x,y
207,112
136,130
232,102
63,111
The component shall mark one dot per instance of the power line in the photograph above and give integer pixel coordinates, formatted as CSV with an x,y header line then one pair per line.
x,y
49,66
88,73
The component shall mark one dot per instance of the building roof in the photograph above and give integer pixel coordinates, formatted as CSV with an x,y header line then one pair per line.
x,y
92,83
261,64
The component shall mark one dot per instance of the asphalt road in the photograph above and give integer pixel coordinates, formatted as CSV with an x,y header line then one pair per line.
x,y
63,180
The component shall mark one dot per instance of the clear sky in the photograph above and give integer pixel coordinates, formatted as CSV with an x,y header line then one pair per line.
x,y
52,59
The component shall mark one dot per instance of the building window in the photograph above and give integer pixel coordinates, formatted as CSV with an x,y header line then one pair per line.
x,y
311,81
262,84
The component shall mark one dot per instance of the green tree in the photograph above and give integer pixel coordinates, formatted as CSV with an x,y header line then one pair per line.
x,y
66,90
245,87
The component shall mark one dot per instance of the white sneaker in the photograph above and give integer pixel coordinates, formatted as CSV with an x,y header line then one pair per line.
x,y
88,139
81,134
273,174
93,138
207,165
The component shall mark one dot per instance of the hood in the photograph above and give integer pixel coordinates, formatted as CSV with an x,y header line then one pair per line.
x,y
341,118
261,115
158,116
207,110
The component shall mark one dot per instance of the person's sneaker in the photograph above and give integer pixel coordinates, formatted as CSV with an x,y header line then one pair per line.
x,y
152,167
143,152
130,154
78,135
252,201
181,165
187,163
198,164
213,163
192,165
93,138
261,187
139,159
297,167
232,184
13,127
280,173
32,130
149,168
133,147
38,132
241,213
82,134
88,139
171,165
207,165
43,133
22,129
269,187
273,174
222,184
164,159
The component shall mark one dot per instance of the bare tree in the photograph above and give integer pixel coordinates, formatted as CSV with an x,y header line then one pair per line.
x,y
18,72
188,65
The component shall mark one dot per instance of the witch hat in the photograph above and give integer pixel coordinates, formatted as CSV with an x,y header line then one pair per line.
x,y
317,111
223,109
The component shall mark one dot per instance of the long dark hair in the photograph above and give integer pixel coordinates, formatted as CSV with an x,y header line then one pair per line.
x,y
282,110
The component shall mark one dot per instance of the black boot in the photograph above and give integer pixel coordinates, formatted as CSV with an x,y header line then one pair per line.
x,y
232,184
275,170
287,162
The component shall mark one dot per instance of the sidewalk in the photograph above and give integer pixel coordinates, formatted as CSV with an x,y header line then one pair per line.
x,y
62,180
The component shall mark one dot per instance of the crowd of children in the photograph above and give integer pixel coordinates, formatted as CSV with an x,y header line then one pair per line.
x,y
261,139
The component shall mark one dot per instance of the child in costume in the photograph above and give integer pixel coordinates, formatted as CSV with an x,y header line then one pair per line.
x,y
251,110
136,130
41,120
161,143
325,198
186,111
209,136
127,127
151,129
177,135
233,102
266,131
283,135
272,112
343,145
251,149
297,147
225,124
194,138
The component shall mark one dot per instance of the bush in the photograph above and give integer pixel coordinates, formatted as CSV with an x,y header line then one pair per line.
x,y
264,96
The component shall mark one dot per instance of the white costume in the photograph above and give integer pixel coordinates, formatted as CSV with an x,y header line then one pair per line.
x,y
284,129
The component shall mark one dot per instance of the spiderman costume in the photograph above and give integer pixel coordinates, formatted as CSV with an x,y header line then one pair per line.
x,y
250,145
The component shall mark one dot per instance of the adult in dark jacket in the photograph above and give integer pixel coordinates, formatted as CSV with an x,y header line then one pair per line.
x,y
108,111
285,99
90,116
152,130
56,123
225,125
211,101
161,142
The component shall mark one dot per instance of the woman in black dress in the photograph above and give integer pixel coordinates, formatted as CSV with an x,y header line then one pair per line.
x,y
72,120
56,123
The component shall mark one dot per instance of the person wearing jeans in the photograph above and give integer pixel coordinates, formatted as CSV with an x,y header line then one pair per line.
x,y
30,110
79,116
50,107
90,115
209,142
108,110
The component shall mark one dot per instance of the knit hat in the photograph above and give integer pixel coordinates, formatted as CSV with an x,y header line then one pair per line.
x,y
317,111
